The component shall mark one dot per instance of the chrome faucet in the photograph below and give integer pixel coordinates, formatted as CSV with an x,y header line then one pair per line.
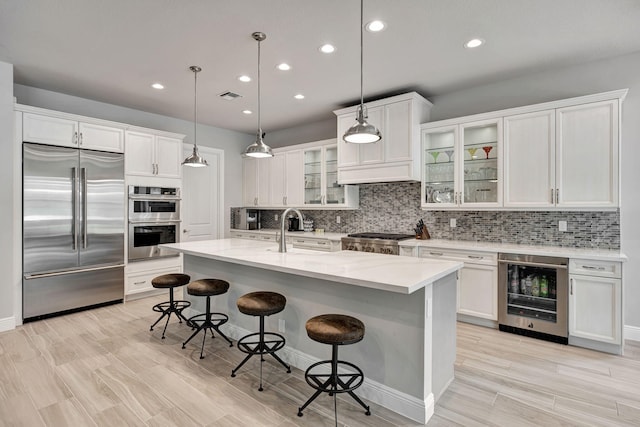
x,y
283,244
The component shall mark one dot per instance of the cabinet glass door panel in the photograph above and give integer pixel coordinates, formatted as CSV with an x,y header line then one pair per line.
x,y
480,153
313,176
439,159
334,192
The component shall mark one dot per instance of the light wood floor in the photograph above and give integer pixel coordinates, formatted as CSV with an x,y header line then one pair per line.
x,y
103,367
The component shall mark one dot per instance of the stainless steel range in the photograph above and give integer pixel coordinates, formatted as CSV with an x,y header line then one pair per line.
x,y
380,243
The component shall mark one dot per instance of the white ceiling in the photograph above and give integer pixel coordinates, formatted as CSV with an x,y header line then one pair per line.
x,y
112,50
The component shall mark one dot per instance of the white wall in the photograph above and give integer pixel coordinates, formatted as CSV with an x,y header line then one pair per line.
x,y
233,143
6,194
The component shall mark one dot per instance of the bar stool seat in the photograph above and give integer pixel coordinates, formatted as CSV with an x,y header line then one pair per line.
x,y
207,320
335,330
261,303
170,281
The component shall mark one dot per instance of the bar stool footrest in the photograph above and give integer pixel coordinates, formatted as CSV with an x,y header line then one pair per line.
x,y
199,319
178,306
272,343
323,381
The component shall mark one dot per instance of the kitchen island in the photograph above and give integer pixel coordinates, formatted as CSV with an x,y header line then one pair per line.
x,y
408,306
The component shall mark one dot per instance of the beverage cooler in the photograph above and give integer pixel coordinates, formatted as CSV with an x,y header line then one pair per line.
x,y
533,296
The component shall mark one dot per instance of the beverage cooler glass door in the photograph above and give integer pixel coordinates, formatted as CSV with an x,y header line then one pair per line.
x,y
533,294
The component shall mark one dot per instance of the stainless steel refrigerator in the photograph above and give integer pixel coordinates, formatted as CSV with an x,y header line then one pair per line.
x,y
73,228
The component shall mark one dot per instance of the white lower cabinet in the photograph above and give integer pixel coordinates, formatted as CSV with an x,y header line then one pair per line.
x,y
477,281
325,245
253,235
595,301
140,274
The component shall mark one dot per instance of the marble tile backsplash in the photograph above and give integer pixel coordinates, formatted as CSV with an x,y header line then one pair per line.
x,y
395,208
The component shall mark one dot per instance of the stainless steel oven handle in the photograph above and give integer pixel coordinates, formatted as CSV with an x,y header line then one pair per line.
x,y
170,222
153,197
533,264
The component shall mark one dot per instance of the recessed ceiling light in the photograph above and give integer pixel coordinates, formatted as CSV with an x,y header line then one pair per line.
x,y
284,67
299,96
244,78
375,26
157,86
327,48
247,112
473,43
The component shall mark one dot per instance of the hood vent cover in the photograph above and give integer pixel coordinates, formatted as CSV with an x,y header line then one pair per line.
x,y
229,96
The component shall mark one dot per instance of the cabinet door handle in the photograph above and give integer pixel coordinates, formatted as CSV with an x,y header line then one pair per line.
x,y
570,286
552,201
557,196
75,138
436,253
592,267
284,200
80,138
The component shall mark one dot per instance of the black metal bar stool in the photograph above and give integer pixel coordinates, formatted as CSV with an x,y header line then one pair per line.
x,y
334,329
207,320
170,281
261,304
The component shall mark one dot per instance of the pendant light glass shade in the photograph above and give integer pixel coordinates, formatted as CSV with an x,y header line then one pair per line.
x,y
362,132
258,149
195,160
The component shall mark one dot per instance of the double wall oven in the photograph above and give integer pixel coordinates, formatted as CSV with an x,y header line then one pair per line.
x,y
154,219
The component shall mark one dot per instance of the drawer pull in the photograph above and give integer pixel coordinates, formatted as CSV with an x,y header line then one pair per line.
x,y
591,267
475,257
322,243
436,253
139,283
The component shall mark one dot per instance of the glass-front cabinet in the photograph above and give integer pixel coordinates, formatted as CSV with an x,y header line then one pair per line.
x,y
321,188
462,165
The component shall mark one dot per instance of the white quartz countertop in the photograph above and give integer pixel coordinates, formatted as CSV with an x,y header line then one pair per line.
x,y
305,234
399,274
555,251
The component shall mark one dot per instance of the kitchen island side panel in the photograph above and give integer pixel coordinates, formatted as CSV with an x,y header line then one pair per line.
x,y
392,352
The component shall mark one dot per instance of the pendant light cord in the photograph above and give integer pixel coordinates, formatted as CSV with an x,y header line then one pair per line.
x,y
195,109
259,126
361,56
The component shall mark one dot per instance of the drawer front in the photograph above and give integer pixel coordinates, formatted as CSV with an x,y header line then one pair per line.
x,y
595,268
314,244
141,282
472,257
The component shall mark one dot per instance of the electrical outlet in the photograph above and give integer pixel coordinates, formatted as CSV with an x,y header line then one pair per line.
x,y
337,219
275,217
281,325
452,223
562,225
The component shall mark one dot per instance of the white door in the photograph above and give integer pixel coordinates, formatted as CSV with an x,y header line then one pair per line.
x,y
203,197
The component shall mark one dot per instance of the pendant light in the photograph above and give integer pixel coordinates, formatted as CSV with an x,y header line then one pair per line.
x,y
259,148
362,132
194,160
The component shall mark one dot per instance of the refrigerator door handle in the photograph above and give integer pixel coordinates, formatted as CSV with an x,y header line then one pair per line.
x,y
83,176
74,208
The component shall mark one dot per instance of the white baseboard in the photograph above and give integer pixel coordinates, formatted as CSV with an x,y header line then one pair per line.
x,y
632,333
7,324
397,401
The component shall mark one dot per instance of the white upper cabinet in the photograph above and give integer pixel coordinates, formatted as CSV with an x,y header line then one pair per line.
x,y
156,155
68,132
587,170
462,165
256,181
529,167
286,185
396,156
558,155
321,187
